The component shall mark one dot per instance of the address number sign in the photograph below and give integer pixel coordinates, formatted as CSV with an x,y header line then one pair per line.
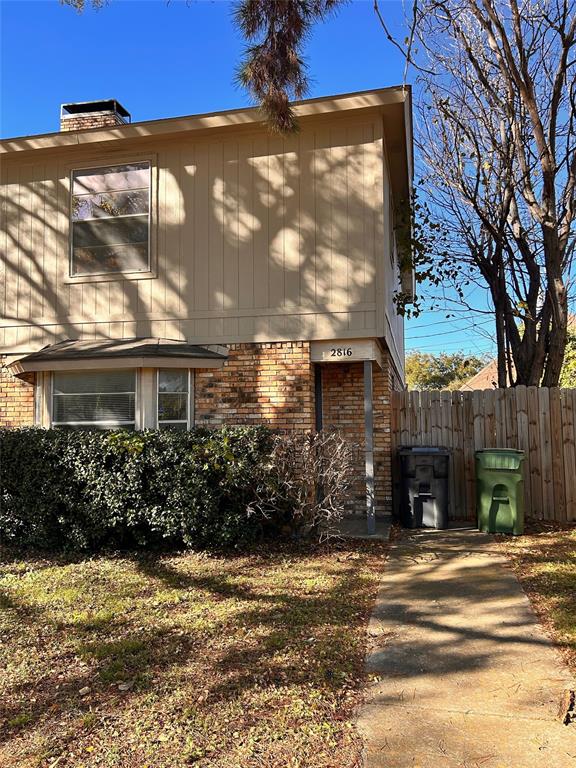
x,y
345,351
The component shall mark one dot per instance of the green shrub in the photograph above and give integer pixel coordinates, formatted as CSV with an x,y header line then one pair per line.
x,y
86,489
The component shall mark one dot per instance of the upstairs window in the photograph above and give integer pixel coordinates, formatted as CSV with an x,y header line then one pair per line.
x,y
110,220
94,399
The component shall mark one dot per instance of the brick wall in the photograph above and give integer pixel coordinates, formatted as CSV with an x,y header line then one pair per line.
x,y
384,382
273,384
267,383
16,400
343,408
81,122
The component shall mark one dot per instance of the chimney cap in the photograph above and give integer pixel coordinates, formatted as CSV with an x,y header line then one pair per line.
x,y
104,105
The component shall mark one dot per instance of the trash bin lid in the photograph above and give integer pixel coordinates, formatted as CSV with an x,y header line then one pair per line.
x,y
500,458
408,449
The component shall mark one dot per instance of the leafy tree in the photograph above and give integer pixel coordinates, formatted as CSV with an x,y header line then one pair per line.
x,y
80,5
273,69
443,371
568,375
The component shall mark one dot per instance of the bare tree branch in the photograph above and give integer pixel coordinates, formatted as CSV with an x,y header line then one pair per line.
x,y
497,136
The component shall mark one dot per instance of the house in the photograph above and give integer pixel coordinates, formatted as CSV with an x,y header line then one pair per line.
x,y
201,270
486,378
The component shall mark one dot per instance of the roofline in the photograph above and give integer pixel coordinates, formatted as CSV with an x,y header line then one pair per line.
x,y
22,366
140,352
356,100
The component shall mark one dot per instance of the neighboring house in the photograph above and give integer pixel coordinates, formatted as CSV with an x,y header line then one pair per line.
x,y
487,378
201,270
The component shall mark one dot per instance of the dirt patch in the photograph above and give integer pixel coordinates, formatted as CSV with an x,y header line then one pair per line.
x,y
544,560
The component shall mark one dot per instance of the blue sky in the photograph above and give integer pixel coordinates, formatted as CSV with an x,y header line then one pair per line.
x,y
162,59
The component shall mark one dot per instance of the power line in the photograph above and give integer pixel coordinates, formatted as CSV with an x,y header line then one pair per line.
x,y
479,313
447,333
486,346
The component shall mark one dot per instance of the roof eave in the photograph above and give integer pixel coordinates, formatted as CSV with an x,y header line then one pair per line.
x,y
22,366
169,127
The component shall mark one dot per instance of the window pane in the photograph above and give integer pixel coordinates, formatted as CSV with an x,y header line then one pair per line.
x,y
93,396
173,380
78,382
128,229
179,426
172,407
101,407
112,178
109,204
111,258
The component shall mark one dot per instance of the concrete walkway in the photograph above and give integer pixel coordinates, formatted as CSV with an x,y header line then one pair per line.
x,y
465,675
357,528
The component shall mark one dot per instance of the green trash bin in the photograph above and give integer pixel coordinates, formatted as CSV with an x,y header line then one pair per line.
x,y
500,490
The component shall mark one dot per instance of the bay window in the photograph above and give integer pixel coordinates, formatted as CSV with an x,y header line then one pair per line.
x,y
118,399
133,383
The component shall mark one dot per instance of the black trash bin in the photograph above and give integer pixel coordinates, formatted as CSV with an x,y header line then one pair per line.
x,y
424,489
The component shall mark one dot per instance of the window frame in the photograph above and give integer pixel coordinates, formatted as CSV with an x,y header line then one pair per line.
x,y
146,397
97,163
189,398
98,424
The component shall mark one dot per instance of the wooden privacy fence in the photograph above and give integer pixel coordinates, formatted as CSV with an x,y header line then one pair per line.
x,y
541,422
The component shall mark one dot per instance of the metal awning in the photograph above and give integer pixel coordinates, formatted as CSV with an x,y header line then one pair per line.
x,y
72,354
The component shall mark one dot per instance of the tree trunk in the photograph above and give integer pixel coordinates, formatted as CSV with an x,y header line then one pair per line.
x,y
558,337
501,345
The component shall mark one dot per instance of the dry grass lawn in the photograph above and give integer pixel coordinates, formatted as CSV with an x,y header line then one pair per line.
x,y
224,661
545,561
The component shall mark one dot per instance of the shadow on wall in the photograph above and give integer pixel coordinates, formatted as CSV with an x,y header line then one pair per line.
x,y
265,223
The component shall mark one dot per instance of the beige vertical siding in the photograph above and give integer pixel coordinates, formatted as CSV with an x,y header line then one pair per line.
x,y
256,237
392,322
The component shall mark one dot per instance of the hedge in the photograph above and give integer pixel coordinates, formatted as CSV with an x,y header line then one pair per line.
x,y
87,490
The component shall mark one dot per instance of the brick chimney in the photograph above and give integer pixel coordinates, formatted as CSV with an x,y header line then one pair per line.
x,y
93,114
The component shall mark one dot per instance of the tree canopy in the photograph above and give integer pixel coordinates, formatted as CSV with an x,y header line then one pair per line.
x,y
568,375
444,371
273,69
498,141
